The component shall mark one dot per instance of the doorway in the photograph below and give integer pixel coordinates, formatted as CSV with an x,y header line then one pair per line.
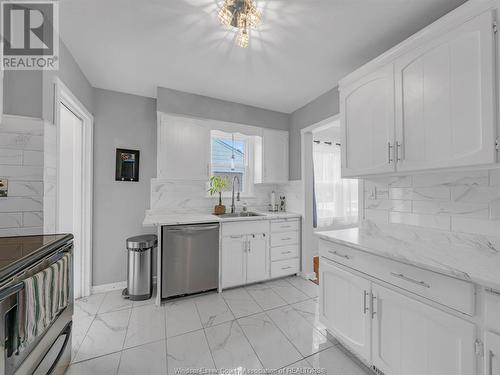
x,y
74,126
330,202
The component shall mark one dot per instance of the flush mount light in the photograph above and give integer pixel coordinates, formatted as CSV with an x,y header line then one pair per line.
x,y
242,15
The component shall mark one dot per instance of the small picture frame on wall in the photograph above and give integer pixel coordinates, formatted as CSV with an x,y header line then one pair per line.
x,y
127,165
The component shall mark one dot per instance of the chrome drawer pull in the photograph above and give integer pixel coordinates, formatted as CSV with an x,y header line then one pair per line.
x,y
286,239
286,268
286,226
285,252
339,255
406,278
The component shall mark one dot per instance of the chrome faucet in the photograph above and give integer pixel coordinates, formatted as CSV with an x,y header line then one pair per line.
x,y
233,207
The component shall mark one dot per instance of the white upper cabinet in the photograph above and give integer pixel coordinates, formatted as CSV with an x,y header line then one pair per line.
x,y
410,338
445,99
271,160
429,103
367,121
183,148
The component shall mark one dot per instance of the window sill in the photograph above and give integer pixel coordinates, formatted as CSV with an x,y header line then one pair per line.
x,y
242,196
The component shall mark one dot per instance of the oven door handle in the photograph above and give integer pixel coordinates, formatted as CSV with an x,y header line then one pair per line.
x,y
7,292
41,369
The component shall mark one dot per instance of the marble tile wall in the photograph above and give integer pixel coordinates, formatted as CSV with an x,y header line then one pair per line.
x,y
21,162
189,196
467,202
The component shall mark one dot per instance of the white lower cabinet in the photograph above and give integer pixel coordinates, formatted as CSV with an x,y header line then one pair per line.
x,y
492,354
245,259
393,333
233,261
344,307
412,338
257,257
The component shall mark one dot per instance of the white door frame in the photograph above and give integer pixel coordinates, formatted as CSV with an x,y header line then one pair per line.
x,y
64,95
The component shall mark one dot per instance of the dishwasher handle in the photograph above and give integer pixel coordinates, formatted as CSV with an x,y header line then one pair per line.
x,y
192,228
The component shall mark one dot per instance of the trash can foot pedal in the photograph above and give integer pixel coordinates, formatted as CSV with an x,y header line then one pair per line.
x,y
125,293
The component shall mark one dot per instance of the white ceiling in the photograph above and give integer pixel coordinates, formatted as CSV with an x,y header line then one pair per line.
x,y
299,52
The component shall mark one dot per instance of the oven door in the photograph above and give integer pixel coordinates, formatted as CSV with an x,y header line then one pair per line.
x,y
50,352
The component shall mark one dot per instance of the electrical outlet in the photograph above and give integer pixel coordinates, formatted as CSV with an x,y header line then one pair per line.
x,y
4,187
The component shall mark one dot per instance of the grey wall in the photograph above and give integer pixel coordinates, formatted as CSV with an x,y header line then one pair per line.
x,y
322,107
121,121
178,102
31,93
22,93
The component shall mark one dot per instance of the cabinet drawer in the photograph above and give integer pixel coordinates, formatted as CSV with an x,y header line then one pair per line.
x,y
284,252
244,227
284,238
285,267
285,226
454,293
492,309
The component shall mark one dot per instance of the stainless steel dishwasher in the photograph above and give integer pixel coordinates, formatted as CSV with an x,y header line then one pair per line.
x,y
190,259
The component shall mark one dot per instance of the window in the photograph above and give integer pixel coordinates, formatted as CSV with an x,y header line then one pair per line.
x,y
224,147
336,198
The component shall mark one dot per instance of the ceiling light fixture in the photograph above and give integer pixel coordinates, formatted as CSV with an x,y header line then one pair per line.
x,y
242,15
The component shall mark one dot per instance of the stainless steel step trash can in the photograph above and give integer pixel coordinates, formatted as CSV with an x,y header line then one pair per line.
x,y
139,267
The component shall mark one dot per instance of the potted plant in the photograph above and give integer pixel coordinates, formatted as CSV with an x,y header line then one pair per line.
x,y
217,185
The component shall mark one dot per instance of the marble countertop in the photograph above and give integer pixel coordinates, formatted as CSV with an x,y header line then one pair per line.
x,y
153,218
474,258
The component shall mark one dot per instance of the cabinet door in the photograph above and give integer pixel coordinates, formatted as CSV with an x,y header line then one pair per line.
x,y
183,148
275,156
257,258
492,354
233,261
344,307
411,338
367,123
445,115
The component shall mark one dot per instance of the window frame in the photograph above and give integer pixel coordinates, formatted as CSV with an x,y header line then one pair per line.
x,y
247,187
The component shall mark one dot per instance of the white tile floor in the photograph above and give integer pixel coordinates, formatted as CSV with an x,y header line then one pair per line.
x,y
269,325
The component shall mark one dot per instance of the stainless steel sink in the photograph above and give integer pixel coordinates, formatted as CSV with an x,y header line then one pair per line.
x,y
240,214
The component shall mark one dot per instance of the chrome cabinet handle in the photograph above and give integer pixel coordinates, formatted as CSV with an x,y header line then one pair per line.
x,y
338,254
365,305
372,303
285,252
409,279
249,246
490,362
389,153
398,151
235,236
286,239
286,268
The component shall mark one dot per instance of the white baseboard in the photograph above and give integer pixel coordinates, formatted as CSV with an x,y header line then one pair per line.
x,y
307,276
103,288
108,287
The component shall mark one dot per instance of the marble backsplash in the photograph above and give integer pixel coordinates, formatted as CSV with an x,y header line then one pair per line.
x,y
22,163
190,196
462,201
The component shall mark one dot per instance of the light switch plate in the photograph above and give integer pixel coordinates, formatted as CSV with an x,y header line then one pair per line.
x,y
4,187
